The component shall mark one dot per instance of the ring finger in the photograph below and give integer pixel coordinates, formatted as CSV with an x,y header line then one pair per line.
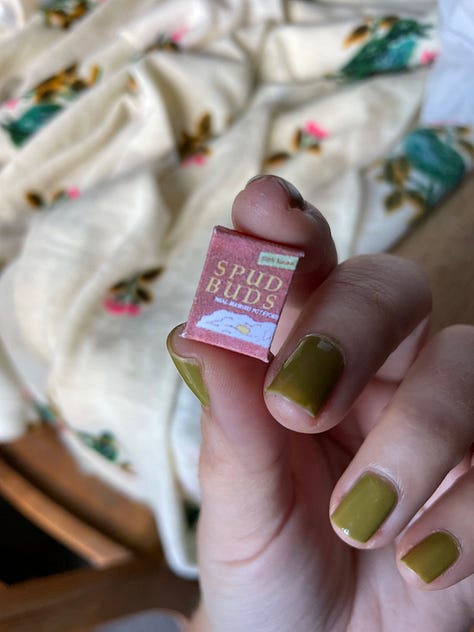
x,y
423,434
437,551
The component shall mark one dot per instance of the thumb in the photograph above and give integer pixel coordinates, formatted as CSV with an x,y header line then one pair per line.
x,y
247,483
244,466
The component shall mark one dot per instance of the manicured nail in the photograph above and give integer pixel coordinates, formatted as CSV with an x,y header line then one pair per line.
x,y
364,508
432,556
295,199
310,373
190,371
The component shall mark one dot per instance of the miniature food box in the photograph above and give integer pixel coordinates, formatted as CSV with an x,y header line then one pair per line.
x,y
241,293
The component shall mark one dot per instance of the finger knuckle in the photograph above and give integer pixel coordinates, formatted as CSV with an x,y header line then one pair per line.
x,y
450,354
458,334
366,284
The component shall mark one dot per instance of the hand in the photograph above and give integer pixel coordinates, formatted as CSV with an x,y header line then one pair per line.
x,y
358,418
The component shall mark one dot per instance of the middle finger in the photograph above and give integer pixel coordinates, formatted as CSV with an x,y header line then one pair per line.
x,y
366,307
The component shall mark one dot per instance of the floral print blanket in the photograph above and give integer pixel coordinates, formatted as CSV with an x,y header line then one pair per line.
x,y
126,129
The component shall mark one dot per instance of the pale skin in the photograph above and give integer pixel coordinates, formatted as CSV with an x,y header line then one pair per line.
x,y
271,473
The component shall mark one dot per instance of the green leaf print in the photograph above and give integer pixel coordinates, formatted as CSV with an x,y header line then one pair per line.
x,y
429,163
46,99
34,118
46,412
390,52
63,13
436,159
394,200
104,443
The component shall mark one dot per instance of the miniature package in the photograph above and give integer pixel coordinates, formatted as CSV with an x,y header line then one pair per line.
x,y
241,293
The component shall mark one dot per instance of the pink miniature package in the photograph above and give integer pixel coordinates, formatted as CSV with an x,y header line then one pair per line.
x,y
241,293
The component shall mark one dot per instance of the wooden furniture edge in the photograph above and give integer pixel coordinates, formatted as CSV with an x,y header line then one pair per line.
x,y
99,550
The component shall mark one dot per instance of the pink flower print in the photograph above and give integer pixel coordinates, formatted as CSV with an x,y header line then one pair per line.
x,y
73,193
428,57
197,159
315,130
193,147
309,137
127,296
178,35
11,104
132,309
116,307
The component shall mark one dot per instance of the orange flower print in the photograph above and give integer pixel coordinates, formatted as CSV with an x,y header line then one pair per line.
x,y
36,200
22,117
193,147
306,138
168,42
64,13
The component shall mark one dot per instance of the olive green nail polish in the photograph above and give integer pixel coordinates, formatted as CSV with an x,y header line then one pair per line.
x,y
432,556
190,371
364,508
309,374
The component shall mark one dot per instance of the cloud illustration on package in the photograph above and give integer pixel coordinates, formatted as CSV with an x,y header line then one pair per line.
x,y
249,279
238,326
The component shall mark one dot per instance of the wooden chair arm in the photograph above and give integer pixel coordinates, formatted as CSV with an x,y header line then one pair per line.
x,y
41,458
79,600
99,550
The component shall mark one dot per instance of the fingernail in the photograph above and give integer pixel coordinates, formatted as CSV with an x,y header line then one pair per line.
x,y
295,199
432,556
260,176
310,373
190,371
365,507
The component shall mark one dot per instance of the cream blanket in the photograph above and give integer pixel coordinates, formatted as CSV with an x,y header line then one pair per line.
x,y
127,128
